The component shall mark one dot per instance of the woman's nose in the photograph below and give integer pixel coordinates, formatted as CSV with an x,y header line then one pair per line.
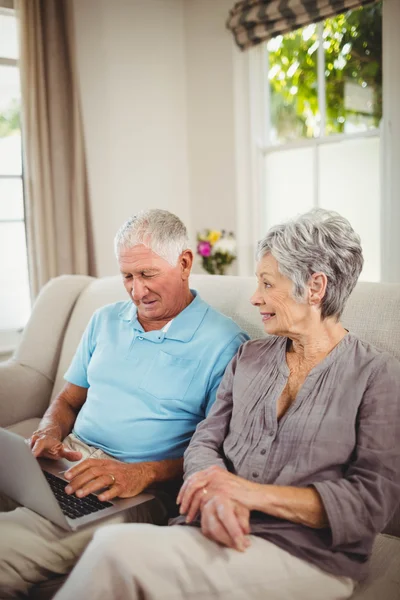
x,y
256,298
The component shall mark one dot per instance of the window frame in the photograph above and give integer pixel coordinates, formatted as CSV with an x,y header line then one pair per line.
x,y
251,91
9,338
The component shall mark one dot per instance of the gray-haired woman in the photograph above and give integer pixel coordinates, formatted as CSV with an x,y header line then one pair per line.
x,y
296,465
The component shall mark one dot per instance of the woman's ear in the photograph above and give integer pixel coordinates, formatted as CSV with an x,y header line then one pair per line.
x,y
317,288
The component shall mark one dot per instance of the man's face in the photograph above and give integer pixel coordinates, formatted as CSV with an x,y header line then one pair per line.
x,y
158,289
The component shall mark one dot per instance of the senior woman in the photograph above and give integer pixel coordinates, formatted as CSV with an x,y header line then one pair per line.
x,y
295,469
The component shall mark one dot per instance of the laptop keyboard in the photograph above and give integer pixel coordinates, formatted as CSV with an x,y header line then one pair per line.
x,y
72,506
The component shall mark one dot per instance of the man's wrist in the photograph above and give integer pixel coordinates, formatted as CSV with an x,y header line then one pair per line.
x,y
53,431
145,472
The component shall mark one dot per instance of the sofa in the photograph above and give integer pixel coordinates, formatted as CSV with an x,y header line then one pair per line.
x,y
34,375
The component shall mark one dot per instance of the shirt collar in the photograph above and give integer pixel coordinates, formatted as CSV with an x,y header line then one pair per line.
x,y
183,326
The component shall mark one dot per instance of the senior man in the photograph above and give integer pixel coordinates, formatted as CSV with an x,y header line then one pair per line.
x,y
145,374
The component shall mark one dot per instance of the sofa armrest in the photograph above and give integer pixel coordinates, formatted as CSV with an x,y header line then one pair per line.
x,y
26,380
24,393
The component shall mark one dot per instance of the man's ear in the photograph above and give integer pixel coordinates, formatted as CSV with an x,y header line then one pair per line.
x,y
317,288
186,263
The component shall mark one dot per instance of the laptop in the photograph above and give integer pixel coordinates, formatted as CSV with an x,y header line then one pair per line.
x,y
39,484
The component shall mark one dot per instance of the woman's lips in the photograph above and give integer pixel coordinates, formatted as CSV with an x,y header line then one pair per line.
x,y
267,316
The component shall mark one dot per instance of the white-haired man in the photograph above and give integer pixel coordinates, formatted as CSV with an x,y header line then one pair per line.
x,y
145,374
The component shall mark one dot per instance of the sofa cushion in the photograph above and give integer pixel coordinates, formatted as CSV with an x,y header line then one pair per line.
x,y
383,582
25,428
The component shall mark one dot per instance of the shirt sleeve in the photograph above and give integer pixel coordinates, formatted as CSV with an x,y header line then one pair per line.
x,y
77,371
220,366
205,448
360,504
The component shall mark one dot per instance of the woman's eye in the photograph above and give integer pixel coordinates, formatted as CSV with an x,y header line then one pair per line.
x,y
267,285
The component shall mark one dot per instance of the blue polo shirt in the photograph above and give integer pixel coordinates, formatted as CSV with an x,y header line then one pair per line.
x,y
147,391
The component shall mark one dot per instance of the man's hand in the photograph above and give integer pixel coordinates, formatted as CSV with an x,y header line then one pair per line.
x,y
123,480
226,522
203,485
47,444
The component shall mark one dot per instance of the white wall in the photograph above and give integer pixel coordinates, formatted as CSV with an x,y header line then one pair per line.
x,y
210,108
156,80
132,73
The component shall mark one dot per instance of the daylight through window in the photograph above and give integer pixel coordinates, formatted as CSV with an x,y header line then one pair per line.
x,y
14,297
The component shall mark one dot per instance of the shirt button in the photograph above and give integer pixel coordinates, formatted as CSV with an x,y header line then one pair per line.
x,y
270,433
263,451
140,338
255,474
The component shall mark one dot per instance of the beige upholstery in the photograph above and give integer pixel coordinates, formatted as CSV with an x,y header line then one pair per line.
x,y
35,374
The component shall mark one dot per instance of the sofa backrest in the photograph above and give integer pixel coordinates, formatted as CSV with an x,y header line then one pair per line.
x,y
372,313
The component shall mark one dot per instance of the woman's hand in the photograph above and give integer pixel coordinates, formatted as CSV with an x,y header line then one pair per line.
x,y
204,485
123,480
226,522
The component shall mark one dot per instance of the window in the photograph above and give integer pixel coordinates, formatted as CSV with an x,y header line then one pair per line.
x,y
322,110
14,296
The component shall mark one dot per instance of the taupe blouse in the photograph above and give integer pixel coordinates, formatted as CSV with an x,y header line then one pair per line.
x,y
341,435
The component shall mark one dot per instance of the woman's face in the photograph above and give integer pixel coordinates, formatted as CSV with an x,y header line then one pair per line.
x,y
281,314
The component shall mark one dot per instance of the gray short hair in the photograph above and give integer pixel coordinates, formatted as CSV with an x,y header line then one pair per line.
x,y
159,230
319,241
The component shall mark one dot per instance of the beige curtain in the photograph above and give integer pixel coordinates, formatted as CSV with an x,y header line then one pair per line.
x,y
55,181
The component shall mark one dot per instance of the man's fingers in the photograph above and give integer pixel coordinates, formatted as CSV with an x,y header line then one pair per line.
x,y
113,492
81,468
89,474
71,455
94,485
46,447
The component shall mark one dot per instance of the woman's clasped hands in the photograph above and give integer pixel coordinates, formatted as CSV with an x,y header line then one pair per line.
x,y
224,501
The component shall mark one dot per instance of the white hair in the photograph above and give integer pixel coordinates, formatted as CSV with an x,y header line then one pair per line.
x,y
319,241
161,231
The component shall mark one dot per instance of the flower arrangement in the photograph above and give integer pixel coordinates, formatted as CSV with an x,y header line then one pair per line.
x,y
217,250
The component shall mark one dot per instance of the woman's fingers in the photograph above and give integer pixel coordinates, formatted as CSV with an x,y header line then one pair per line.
x,y
197,503
243,517
220,521
192,486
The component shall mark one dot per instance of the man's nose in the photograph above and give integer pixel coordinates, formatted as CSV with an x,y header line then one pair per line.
x,y
138,290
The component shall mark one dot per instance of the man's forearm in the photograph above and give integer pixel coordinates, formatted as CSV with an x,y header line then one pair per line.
x,y
59,418
58,421
163,470
299,505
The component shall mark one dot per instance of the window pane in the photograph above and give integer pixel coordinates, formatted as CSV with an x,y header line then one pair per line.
x,y
11,199
8,36
14,297
10,134
293,85
350,184
353,70
289,184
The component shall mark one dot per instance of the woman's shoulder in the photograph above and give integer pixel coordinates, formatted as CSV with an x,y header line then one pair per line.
x,y
377,359
272,344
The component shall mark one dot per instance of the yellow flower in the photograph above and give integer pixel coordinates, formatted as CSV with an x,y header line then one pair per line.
x,y
213,236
